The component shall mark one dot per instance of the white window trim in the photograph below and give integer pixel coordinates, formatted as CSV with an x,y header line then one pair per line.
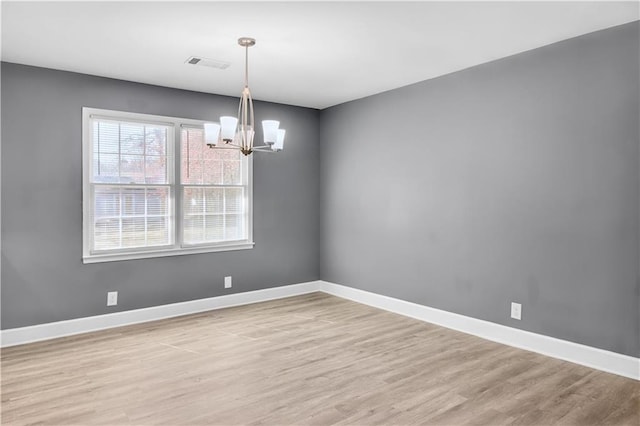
x,y
176,227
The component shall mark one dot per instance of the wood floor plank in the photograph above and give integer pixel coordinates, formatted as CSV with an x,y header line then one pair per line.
x,y
307,360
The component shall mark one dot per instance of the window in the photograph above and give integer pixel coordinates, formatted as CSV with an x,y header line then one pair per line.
x,y
151,187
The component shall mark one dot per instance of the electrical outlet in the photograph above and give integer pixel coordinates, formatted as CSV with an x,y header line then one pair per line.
x,y
112,298
516,311
227,282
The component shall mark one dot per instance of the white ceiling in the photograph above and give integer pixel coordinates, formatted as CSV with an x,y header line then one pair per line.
x,y
313,54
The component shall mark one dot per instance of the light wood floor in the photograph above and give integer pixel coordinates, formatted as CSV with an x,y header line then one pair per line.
x,y
307,360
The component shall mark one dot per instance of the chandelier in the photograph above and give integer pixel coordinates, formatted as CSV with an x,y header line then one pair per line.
x,y
238,132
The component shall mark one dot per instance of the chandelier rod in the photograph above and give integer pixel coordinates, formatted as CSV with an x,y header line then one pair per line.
x,y
246,65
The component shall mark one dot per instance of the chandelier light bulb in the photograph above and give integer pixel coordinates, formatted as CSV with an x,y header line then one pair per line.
x,y
228,128
211,134
279,145
270,131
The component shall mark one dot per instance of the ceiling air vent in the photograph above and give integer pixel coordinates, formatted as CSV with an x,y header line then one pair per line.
x,y
205,62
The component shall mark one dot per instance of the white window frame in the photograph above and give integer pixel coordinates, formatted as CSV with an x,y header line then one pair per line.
x,y
175,193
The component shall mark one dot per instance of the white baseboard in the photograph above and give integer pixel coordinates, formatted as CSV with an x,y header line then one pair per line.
x,y
35,333
599,359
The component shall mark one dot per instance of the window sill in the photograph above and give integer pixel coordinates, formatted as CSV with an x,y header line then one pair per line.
x,y
114,257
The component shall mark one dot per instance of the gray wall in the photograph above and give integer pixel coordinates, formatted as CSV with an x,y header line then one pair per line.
x,y
43,278
516,180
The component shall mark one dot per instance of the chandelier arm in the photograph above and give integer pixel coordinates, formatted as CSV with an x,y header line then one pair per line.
x,y
263,148
234,147
231,145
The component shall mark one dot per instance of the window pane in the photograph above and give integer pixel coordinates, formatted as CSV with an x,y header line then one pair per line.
x,y
106,234
214,228
107,203
132,139
193,229
193,201
133,232
214,200
106,137
232,172
213,214
234,227
156,140
106,168
129,153
234,200
212,171
133,201
131,217
157,230
157,202
132,169
155,169
192,171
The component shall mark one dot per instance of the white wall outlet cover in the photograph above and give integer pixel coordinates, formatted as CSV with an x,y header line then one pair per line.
x,y
516,311
227,282
112,298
